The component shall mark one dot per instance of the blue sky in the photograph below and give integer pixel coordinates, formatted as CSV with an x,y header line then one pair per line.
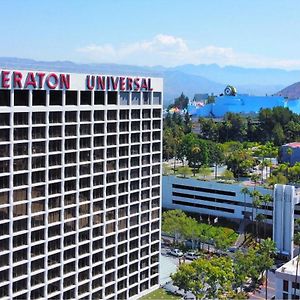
x,y
256,33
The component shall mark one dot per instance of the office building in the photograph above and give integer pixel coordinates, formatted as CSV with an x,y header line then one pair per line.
x,y
80,177
285,281
216,199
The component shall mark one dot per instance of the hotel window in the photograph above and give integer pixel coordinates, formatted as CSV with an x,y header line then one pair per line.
x,y
5,119
55,117
99,98
55,98
71,117
85,98
38,118
20,118
21,98
156,98
38,132
4,135
124,114
112,98
156,112
124,98
111,115
146,98
146,113
71,97
136,98
85,116
99,115
4,98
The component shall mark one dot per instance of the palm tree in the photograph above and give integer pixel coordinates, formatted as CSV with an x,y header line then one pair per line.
x,y
268,250
256,203
255,179
195,151
266,200
260,218
245,191
297,242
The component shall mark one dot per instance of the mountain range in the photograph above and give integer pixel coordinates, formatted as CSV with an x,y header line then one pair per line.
x,y
189,79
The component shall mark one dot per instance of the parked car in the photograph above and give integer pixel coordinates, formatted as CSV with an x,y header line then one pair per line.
x,y
191,255
232,249
176,252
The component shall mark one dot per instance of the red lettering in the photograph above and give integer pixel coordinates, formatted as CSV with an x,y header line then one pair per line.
x,y
30,80
129,83
114,82
64,81
90,82
136,83
149,85
101,82
5,79
17,80
122,83
108,83
41,78
144,84
52,85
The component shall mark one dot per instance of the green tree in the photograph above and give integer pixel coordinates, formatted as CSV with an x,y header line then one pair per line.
x,y
173,223
181,102
239,162
205,278
278,134
185,171
227,175
267,251
256,204
204,171
245,191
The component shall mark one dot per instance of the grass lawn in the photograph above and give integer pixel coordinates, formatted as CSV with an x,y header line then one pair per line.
x,y
160,294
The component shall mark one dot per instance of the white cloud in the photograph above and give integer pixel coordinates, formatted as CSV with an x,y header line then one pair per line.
x,y
168,50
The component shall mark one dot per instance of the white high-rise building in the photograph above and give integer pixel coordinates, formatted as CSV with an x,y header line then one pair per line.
x,y
80,185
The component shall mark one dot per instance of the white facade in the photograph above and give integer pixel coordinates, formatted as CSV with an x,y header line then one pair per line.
x,y
80,177
283,216
211,198
227,200
286,281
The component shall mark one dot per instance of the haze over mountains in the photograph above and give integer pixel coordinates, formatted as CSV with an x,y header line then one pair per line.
x,y
189,79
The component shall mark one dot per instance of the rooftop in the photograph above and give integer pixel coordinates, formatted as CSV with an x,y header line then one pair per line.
x,y
289,267
293,145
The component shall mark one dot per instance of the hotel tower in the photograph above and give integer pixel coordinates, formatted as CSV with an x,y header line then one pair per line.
x,y
80,185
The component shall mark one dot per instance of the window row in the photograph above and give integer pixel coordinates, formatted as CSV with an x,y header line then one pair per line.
x,y
39,98
22,118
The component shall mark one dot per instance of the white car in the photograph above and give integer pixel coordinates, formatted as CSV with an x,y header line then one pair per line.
x,y
176,252
191,255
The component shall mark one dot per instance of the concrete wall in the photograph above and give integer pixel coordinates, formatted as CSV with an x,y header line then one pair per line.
x,y
220,203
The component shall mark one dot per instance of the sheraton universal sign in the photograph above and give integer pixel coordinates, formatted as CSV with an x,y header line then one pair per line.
x,y
52,81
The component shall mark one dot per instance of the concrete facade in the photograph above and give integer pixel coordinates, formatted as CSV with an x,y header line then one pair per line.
x,y
286,281
227,200
80,180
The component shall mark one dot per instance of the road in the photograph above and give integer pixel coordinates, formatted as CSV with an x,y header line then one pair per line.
x,y
260,292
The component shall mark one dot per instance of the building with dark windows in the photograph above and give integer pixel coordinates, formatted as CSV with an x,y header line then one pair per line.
x,y
215,199
80,177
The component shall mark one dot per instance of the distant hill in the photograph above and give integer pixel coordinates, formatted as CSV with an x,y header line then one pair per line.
x,y
189,79
291,92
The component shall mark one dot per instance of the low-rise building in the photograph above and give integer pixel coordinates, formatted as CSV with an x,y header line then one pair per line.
x,y
290,153
217,199
286,281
